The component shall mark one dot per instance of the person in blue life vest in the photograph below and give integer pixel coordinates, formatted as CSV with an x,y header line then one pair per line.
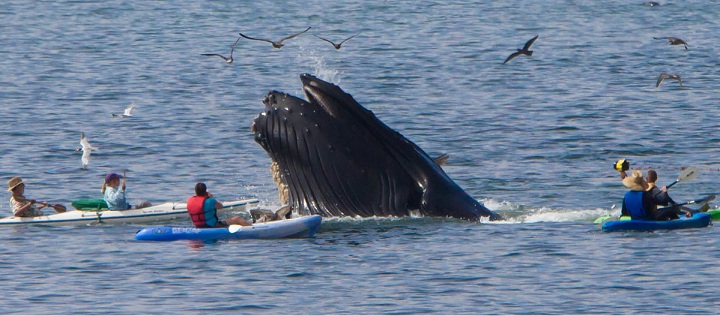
x,y
660,195
639,202
203,208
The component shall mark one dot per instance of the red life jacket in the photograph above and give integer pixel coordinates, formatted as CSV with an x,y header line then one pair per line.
x,y
195,206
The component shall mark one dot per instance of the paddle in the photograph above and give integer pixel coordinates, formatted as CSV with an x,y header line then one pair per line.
x,y
57,207
126,178
686,175
704,200
699,201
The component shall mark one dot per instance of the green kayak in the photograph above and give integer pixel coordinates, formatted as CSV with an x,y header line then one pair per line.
x,y
714,215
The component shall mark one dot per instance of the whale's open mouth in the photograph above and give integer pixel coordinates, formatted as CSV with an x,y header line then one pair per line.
x,y
338,159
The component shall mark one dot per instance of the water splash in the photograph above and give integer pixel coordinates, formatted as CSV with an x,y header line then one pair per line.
x,y
320,67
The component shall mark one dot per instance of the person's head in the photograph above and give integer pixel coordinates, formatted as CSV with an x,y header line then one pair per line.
x,y
112,179
635,181
651,176
16,185
200,189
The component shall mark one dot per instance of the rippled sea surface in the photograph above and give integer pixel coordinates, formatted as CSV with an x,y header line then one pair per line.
x,y
534,139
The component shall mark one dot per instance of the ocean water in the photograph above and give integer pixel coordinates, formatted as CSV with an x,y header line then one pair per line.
x,y
534,139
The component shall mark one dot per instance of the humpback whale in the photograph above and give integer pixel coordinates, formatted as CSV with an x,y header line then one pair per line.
x,y
338,159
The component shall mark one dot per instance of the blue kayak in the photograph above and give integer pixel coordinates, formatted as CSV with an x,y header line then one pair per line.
x,y
301,227
698,220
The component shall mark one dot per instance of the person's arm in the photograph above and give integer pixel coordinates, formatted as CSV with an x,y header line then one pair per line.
x,y
218,205
623,175
662,197
23,210
664,189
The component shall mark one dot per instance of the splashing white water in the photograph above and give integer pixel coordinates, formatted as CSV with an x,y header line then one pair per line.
x,y
520,214
320,68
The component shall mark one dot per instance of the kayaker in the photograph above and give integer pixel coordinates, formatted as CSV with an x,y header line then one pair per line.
x,y
639,203
660,195
203,208
21,206
114,193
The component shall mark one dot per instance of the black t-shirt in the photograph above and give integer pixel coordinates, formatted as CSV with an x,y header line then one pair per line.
x,y
660,197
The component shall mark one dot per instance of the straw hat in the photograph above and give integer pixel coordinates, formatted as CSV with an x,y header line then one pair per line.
x,y
13,182
635,181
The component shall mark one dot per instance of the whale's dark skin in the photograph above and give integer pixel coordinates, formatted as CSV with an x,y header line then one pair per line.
x,y
338,159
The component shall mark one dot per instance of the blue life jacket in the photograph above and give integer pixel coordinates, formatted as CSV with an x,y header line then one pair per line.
x,y
634,204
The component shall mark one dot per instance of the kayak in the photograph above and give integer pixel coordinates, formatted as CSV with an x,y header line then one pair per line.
x,y
300,227
714,214
165,211
698,220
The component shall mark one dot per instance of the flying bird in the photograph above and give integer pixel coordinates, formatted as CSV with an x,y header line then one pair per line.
x,y
128,111
86,149
228,60
669,76
524,51
673,41
276,44
337,46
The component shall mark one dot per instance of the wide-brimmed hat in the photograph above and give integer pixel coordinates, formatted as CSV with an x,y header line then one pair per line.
x,y
635,181
111,176
13,182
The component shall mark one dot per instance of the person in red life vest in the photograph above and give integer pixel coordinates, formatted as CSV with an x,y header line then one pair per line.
x,y
203,209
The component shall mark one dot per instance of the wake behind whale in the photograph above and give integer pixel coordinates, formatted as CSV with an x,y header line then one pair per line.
x,y
338,159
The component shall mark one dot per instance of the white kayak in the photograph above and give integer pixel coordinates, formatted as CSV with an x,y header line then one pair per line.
x,y
160,212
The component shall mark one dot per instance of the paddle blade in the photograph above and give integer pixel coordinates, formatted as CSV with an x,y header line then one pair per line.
x,y
59,208
704,200
601,219
688,174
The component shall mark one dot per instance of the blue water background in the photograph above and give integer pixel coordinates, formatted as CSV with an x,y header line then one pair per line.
x,y
534,139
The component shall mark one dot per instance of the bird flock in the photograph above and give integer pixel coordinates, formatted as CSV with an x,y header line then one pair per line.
x,y
276,44
671,41
520,51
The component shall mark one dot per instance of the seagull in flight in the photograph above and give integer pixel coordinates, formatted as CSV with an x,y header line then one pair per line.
x,y
230,59
86,149
669,76
673,41
276,44
128,111
524,51
337,46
